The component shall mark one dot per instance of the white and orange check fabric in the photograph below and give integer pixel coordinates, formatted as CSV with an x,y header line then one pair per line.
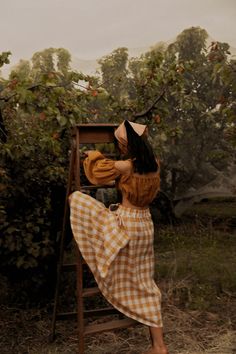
x,y
118,248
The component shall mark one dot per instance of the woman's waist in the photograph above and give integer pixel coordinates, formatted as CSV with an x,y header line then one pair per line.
x,y
128,209
126,203
137,200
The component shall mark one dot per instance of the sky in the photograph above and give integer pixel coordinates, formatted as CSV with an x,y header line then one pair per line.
x,y
90,29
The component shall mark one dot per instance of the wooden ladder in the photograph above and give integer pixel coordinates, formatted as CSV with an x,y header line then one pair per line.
x,y
83,134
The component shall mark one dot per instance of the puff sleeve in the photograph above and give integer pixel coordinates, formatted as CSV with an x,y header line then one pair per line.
x,y
99,169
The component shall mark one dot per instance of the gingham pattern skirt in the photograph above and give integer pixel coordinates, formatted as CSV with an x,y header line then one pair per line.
x,y
118,248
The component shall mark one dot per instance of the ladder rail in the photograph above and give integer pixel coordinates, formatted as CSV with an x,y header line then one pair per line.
x,y
83,134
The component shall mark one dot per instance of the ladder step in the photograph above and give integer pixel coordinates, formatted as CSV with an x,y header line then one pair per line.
x,y
106,154
107,311
66,315
96,187
69,267
101,327
91,292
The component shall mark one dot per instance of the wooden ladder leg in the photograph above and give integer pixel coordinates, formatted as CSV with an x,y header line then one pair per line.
x,y
56,296
80,304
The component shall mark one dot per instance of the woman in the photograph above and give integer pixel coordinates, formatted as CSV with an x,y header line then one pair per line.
x,y
118,244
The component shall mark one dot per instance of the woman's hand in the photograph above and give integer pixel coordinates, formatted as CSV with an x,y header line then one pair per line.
x,y
86,153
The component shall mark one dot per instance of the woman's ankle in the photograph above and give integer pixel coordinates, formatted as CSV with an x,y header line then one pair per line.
x,y
160,348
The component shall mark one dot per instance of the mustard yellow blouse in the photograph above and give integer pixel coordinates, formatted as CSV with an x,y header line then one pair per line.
x,y
140,190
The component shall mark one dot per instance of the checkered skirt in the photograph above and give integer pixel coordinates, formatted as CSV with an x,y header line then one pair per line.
x,y
118,248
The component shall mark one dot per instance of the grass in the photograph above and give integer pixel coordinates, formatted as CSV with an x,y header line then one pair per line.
x,y
215,208
198,256
197,262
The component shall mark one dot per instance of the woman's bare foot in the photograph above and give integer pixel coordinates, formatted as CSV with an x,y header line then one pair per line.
x,y
157,350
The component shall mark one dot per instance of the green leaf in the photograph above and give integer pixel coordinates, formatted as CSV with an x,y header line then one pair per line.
x,y
61,120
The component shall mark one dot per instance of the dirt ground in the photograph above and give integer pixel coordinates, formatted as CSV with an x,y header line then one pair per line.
x,y
186,332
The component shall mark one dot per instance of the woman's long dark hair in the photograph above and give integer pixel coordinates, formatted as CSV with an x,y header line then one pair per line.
x,y
140,151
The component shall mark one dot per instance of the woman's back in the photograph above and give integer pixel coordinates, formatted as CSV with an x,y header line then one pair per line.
x,y
138,190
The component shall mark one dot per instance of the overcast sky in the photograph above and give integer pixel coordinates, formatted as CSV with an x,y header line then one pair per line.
x,y
90,29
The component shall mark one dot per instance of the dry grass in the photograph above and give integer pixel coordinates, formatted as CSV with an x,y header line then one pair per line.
x,y
186,332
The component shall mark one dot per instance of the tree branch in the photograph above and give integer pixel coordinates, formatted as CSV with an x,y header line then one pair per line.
x,y
147,110
6,99
32,87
